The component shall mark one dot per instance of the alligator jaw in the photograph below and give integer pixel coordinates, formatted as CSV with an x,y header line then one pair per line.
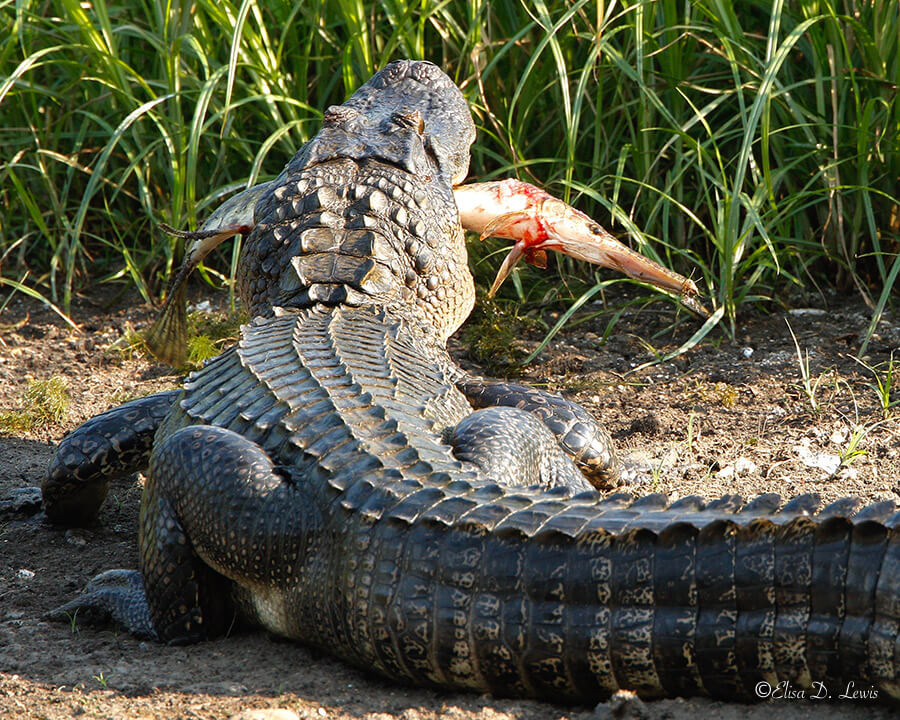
x,y
539,222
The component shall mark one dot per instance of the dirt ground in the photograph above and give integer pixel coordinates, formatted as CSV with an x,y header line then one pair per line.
x,y
725,417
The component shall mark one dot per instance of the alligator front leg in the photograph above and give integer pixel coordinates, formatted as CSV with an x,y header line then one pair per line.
x,y
114,444
579,435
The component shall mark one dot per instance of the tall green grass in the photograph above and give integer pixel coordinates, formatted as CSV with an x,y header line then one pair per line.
x,y
756,148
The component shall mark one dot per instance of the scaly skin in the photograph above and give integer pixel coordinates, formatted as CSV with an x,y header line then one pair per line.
x,y
304,481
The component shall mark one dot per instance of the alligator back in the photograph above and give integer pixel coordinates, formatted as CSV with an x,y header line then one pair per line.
x,y
343,389
427,572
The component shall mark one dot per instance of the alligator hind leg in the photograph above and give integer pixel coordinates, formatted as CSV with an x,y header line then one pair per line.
x,y
114,444
579,435
216,509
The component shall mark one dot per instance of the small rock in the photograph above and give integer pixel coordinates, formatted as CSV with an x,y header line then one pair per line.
x,y
819,460
25,574
744,466
76,538
810,312
624,705
840,436
22,500
725,472
203,306
266,714
747,351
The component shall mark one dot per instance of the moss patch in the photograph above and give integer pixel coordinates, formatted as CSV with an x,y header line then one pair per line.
x,y
209,333
492,336
44,402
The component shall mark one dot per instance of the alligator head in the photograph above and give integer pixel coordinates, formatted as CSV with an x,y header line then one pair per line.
x,y
409,114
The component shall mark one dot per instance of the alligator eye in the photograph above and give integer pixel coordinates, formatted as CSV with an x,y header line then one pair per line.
x,y
412,120
597,230
339,115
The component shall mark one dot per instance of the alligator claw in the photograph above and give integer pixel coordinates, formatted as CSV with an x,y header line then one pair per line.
x,y
538,222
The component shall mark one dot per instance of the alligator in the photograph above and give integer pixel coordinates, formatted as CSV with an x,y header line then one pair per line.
x,y
329,479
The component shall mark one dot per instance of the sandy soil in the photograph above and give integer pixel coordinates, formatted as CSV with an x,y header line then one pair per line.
x,y
726,417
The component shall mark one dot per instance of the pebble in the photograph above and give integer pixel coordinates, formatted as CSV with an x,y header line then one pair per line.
x,y
267,714
741,466
811,312
22,500
624,705
819,460
744,466
840,436
76,537
202,306
25,574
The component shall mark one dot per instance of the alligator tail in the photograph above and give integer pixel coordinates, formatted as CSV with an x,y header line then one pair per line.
x,y
575,600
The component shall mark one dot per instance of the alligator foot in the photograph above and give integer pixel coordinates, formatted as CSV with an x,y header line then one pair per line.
x,y
113,444
579,435
514,447
116,595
